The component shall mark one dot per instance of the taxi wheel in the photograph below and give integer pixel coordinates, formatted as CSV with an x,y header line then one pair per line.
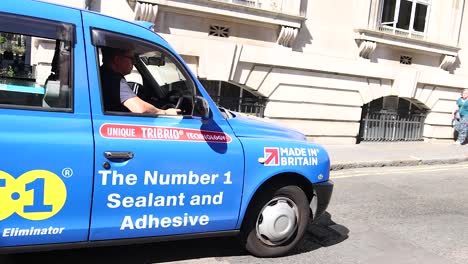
x,y
276,222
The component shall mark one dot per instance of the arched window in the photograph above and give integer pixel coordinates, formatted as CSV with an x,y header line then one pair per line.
x,y
235,98
392,118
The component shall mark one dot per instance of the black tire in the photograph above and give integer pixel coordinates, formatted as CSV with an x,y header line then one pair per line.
x,y
261,246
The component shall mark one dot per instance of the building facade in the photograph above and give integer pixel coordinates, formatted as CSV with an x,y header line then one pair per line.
x,y
341,72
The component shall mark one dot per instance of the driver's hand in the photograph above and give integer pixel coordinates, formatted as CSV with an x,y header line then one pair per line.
x,y
172,111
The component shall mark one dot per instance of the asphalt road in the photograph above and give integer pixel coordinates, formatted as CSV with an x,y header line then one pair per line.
x,y
377,215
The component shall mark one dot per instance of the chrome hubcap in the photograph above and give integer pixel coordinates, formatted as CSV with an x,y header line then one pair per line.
x,y
277,221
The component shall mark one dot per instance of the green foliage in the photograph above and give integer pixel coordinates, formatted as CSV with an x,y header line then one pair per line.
x,y
10,72
18,50
11,42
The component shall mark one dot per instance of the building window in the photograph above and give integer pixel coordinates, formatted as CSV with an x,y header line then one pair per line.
x,y
392,118
405,17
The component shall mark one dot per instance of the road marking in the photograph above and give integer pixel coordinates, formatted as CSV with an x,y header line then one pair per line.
x,y
372,172
406,168
199,261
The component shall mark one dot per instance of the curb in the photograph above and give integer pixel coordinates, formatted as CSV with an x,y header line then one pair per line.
x,y
395,163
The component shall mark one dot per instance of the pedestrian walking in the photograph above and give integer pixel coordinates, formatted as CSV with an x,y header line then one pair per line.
x,y
461,121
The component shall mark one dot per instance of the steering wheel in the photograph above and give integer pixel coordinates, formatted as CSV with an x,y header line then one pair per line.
x,y
179,102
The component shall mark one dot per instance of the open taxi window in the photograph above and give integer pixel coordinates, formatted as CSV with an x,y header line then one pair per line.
x,y
158,77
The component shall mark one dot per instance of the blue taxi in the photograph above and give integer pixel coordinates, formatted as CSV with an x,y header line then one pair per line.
x,y
74,172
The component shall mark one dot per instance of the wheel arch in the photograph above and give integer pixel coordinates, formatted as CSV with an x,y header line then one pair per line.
x,y
278,181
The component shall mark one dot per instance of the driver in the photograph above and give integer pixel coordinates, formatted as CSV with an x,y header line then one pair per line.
x,y
117,94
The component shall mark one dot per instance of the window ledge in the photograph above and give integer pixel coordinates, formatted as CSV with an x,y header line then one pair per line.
x,y
378,37
234,11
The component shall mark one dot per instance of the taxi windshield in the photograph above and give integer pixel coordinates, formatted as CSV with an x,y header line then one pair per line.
x,y
164,71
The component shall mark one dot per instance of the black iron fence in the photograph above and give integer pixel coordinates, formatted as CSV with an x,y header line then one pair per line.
x,y
253,106
381,126
235,98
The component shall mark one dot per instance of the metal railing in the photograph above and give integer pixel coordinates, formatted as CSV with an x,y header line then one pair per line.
x,y
378,126
250,3
292,7
401,32
251,106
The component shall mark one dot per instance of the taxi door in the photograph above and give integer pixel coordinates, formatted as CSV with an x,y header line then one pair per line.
x,y
46,160
158,175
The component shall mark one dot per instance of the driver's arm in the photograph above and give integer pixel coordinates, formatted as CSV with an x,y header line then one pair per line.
x,y
136,105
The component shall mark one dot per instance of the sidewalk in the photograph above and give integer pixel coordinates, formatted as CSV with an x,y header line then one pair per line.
x,y
394,154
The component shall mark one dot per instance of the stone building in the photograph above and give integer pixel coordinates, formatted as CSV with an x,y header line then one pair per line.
x,y
340,71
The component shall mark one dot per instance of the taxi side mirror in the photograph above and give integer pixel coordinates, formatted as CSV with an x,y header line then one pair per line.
x,y
156,61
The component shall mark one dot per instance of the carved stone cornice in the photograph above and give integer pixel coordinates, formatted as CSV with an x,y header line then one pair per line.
x,y
145,11
448,62
366,48
287,35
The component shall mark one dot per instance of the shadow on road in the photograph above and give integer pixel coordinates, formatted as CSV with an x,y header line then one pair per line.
x,y
136,254
322,234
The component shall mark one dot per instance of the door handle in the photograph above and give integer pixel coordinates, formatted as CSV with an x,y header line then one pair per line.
x,y
118,155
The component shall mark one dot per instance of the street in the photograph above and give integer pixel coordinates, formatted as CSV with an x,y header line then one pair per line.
x,y
377,215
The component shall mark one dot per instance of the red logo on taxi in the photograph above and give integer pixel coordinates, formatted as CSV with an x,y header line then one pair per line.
x,y
120,131
271,156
